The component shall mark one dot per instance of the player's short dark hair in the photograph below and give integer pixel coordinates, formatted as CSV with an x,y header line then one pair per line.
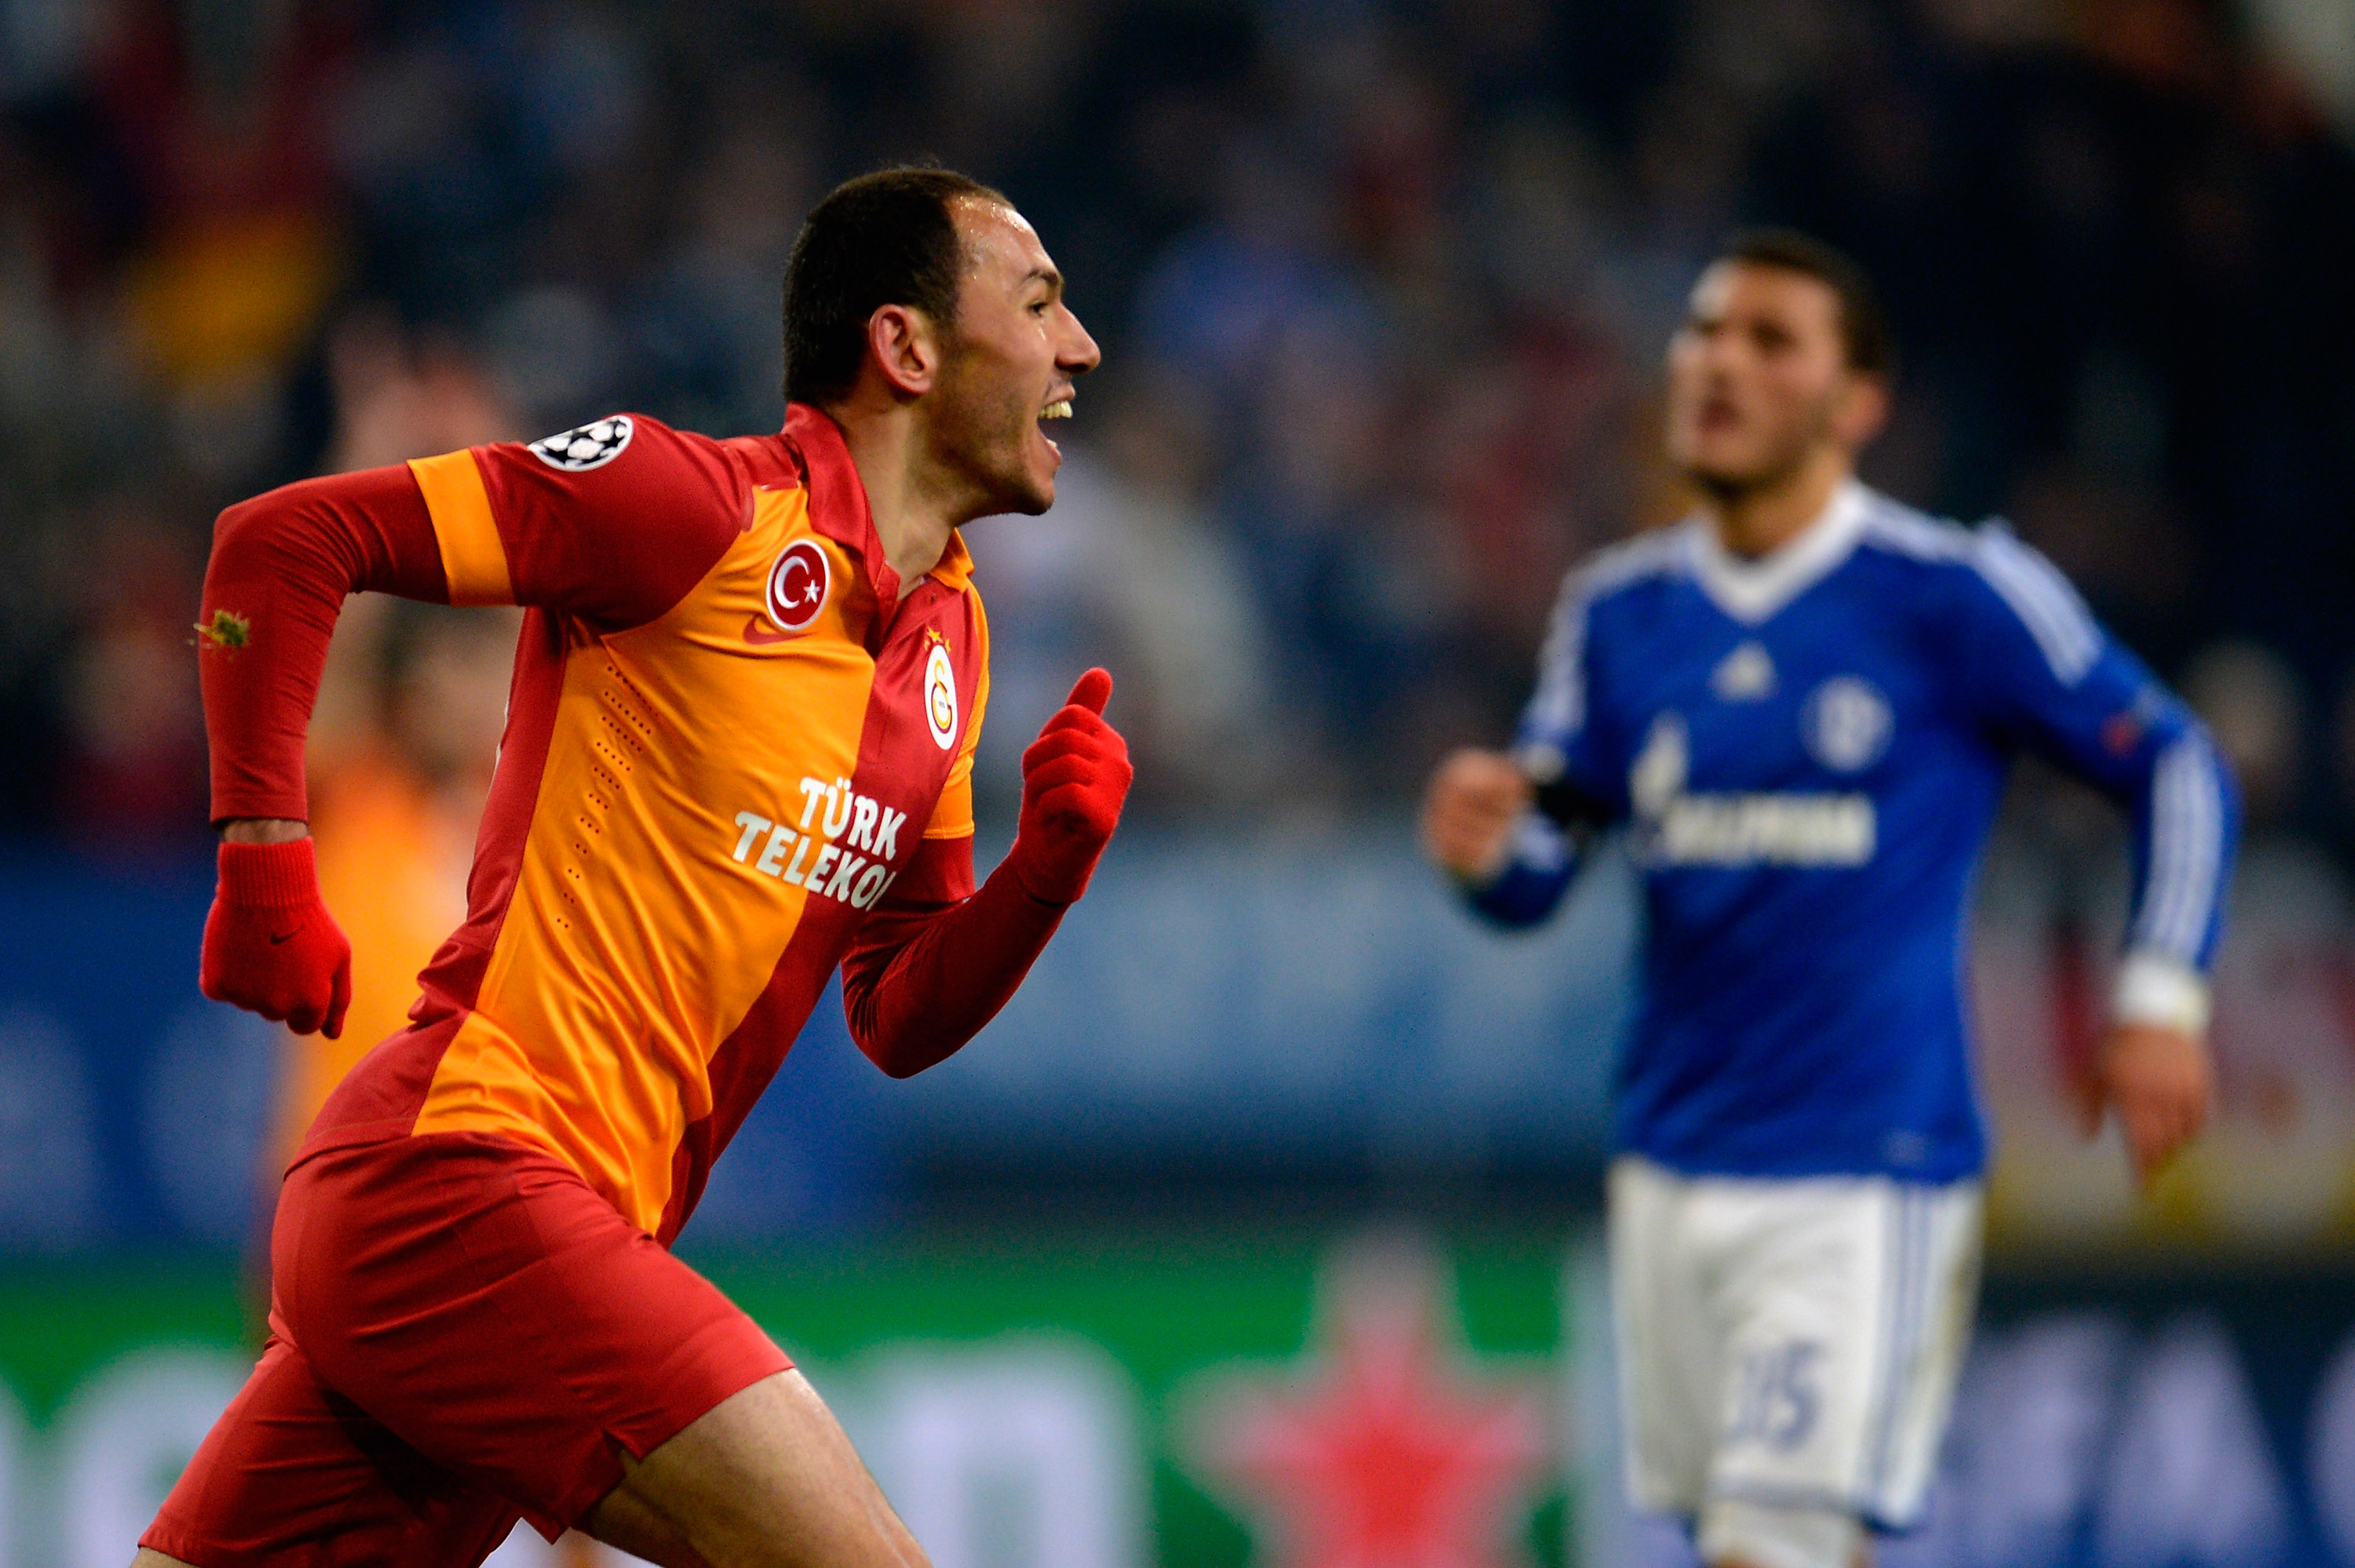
x,y
1864,327
885,238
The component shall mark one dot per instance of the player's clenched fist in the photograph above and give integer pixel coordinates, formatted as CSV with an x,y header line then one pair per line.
x,y
270,947
1075,778
2161,1084
1469,811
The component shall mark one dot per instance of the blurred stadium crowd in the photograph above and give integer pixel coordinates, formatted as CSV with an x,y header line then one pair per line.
x,y
1383,288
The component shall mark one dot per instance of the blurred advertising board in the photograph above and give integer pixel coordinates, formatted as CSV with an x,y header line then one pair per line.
x,y
1400,1397
2275,1169
1294,1004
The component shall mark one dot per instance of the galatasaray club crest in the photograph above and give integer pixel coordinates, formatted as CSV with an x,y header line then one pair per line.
x,y
798,585
941,696
1384,1445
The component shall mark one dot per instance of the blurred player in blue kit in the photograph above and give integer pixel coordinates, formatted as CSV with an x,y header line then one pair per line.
x,y
1801,705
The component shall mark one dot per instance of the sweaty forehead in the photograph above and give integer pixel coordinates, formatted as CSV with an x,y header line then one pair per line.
x,y
1000,246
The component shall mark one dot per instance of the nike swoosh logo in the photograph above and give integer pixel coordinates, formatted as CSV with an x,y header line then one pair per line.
x,y
759,635
279,939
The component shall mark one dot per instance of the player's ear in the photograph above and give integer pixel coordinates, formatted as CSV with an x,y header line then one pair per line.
x,y
1862,410
902,344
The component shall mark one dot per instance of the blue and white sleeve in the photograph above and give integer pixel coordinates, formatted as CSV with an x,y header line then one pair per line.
x,y
2050,676
1553,746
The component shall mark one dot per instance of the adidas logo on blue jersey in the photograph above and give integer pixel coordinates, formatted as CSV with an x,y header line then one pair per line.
x,y
1807,748
1744,675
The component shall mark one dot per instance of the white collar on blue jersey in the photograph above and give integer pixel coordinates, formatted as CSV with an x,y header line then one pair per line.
x,y
1751,590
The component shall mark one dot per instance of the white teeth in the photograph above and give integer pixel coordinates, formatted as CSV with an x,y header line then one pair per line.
x,y
1061,410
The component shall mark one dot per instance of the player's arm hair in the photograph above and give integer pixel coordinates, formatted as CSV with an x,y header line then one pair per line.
x,y
281,565
936,959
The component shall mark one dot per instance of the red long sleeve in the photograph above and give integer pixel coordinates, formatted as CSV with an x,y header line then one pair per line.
x,y
281,565
936,962
617,541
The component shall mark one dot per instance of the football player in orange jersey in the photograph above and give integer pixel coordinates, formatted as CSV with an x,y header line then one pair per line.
x,y
739,756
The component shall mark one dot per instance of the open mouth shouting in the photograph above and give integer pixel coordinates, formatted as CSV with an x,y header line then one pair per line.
x,y
1060,408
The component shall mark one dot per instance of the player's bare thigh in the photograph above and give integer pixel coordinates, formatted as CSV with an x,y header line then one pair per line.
x,y
764,1479
148,1557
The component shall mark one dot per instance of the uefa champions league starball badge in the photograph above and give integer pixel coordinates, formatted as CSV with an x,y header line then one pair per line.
x,y
593,445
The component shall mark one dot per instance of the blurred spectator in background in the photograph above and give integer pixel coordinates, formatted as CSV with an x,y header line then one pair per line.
x,y
394,817
408,720
130,780
2282,1150
2255,708
1129,565
1401,271
2342,751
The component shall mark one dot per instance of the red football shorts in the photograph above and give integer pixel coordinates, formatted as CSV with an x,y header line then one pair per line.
x,y
461,1333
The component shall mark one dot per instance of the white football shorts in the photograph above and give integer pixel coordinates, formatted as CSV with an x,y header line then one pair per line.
x,y
1788,1351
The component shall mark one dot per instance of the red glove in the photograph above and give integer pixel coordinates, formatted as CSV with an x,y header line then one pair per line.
x,y
1075,778
270,947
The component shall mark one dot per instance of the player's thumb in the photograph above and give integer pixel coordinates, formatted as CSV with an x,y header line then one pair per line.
x,y
1092,691
339,996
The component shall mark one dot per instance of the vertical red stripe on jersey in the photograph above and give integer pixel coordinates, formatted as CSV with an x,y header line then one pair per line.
x,y
739,1071
900,763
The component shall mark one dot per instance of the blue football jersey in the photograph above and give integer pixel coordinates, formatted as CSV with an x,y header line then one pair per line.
x,y
1807,752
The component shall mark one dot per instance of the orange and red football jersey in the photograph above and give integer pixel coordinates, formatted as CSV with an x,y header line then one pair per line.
x,y
731,731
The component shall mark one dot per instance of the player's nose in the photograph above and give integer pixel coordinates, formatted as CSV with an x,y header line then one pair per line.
x,y
1077,353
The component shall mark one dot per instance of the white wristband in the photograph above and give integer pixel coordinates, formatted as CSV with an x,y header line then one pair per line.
x,y
2163,991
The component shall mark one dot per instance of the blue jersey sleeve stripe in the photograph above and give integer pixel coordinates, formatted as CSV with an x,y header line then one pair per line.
x,y
2033,588
2187,829
2064,628
2186,822
2173,804
2204,814
1558,711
